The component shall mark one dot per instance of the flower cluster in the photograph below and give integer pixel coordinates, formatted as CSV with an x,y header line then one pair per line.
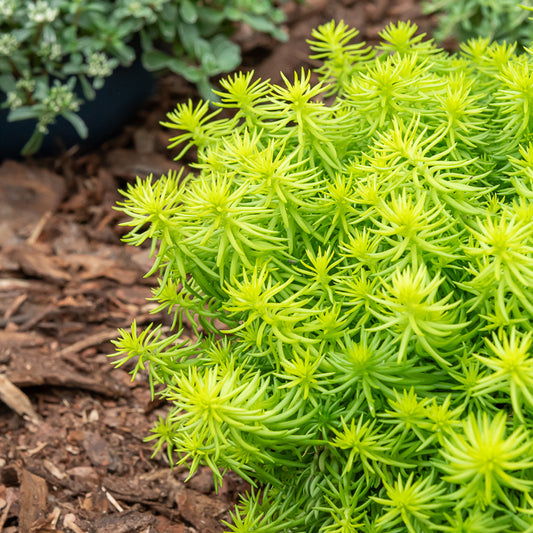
x,y
7,8
358,275
41,12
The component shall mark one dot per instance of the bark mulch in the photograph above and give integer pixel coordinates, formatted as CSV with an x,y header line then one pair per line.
x,y
72,428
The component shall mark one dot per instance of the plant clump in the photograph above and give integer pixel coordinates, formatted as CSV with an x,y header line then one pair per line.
x,y
501,20
356,259
54,54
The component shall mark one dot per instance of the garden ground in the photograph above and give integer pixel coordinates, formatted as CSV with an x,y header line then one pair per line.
x,y
72,454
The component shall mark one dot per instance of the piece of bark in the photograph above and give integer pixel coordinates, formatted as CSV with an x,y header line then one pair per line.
x,y
33,500
99,451
12,343
92,340
96,502
131,490
164,525
9,500
48,524
84,476
201,511
53,469
34,370
14,398
203,481
70,522
36,468
126,522
35,263
27,193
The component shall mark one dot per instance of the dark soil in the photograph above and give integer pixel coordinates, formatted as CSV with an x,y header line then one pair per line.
x,y
72,454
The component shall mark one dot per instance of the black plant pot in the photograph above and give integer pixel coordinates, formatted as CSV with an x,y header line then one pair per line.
x,y
115,103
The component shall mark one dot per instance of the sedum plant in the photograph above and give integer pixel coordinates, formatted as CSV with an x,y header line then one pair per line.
x,y
355,257
54,54
498,20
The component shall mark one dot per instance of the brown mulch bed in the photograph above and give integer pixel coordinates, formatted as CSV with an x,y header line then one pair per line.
x,y
72,428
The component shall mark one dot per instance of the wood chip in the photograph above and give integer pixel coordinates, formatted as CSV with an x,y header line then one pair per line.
x,y
98,451
33,500
52,468
15,304
27,193
124,522
70,522
5,513
91,340
113,502
36,371
14,398
200,510
35,263
34,237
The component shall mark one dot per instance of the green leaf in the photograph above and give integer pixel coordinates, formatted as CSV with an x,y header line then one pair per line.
x,y
23,113
209,17
88,90
226,54
125,54
355,257
78,123
189,72
189,37
7,83
202,50
166,23
188,11
156,60
258,23
232,13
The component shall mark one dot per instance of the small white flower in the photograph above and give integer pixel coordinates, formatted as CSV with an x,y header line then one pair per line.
x,y
7,8
44,121
135,8
14,100
61,99
41,11
50,50
55,51
98,65
8,44
25,84
142,9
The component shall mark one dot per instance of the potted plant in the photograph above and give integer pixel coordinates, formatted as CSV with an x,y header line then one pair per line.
x,y
58,55
356,259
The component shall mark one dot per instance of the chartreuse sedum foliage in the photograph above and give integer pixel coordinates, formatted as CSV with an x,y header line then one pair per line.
x,y
359,275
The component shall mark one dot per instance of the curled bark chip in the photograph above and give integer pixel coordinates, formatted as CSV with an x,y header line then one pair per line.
x,y
14,398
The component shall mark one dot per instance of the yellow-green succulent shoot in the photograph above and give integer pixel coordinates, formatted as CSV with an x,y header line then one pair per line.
x,y
356,259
